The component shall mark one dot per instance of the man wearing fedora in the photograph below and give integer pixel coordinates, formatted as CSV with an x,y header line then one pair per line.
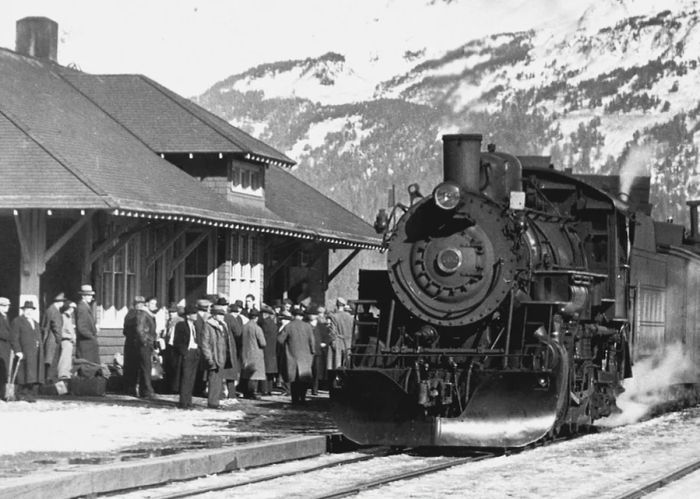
x,y
213,345
5,345
27,340
186,345
52,327
340,326
85,328
298,340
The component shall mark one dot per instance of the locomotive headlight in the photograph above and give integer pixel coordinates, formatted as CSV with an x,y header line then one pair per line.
x,y
447,195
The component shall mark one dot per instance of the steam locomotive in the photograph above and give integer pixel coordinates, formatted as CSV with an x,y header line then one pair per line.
x,y
515,300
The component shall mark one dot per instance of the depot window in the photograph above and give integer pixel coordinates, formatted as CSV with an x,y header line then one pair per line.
x,y
246,179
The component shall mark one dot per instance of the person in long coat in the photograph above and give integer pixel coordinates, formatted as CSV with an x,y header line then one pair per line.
x,y
65,359
213,345
27,340
86,346
187,350
320,343
340,326
5,345
252,355
170,357
298,339
232,366
269,328
52,328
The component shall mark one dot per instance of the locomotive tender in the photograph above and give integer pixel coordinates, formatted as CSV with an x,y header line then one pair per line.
x,y
514,299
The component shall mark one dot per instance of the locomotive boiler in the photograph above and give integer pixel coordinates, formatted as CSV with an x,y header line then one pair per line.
x,y
506,311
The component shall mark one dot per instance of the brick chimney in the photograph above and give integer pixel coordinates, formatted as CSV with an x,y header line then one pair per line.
x,y
37,37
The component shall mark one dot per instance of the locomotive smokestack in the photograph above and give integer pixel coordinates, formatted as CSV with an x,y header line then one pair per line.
x,y
461,159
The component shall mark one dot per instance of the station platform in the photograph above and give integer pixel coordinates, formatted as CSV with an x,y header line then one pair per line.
x,y
75,446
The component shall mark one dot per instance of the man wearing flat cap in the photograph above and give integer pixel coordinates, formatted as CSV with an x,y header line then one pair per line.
x,y
86,346
340,324
52,327
5,345
27,340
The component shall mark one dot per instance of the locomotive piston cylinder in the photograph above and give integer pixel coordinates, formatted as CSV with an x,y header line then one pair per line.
x,y
462,160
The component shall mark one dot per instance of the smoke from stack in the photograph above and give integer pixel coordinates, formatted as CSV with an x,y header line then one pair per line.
x,y
637,164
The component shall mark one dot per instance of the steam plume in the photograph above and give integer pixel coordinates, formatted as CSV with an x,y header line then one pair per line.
x,y
651,384
637,164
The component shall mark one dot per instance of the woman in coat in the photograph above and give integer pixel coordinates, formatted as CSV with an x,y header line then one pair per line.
x,y
65,361
298,340
252,355
27,339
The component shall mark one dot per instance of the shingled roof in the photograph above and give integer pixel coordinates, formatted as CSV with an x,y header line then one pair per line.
x,y
71,140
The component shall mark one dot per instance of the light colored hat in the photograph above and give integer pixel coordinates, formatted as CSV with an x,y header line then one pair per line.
x,y
203,304
86,289
341,300
4,301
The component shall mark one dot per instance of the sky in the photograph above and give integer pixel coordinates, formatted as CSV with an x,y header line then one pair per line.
x,y
188,45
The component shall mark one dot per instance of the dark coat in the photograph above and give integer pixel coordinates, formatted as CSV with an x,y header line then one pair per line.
x,y
340,325
232,370
52,327
213,345
181,340
298,339
270,331
86,346
5,345
27,339
252,348
145,328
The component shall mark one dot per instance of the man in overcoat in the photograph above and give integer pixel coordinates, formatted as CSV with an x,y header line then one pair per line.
x,y
146,336
252,355
268,324
213,345
187,351
320,343
298,339
131,347
27,340
5,345
86,346
170,357
232,366
340,325
52,328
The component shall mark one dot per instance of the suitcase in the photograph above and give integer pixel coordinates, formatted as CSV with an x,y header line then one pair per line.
x,y
88,387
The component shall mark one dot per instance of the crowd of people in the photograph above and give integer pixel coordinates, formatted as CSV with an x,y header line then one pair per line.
x,y
207,348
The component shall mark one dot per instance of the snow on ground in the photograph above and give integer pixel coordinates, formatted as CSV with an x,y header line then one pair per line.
x,y
70,426
600,465
685,487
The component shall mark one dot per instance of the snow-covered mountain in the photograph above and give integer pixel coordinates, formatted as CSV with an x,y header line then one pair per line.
x,y
611,88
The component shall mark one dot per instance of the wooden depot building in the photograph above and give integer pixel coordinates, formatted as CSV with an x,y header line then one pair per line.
x,y
116,181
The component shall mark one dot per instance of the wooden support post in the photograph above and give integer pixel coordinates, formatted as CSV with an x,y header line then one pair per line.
x,y
179,260
31,231
341,266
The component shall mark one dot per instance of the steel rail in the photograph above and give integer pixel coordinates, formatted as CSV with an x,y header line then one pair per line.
x,y
373,484
660,482
371,453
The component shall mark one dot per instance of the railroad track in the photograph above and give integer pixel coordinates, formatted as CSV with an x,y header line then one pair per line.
x,y
660,482
371,453
373,484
